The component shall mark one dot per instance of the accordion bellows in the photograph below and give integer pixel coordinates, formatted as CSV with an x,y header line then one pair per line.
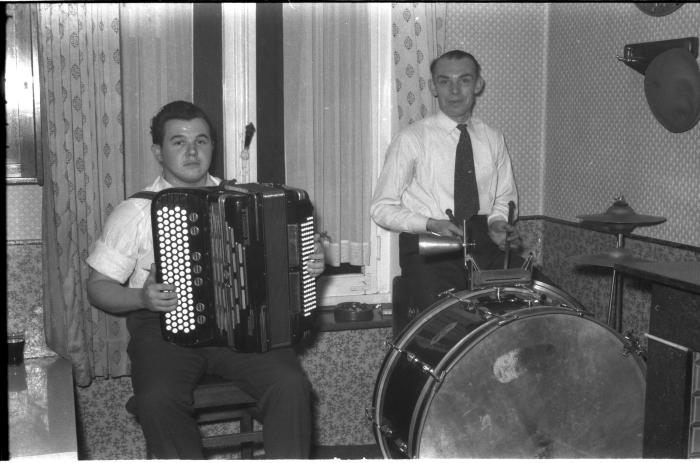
x,y
237,256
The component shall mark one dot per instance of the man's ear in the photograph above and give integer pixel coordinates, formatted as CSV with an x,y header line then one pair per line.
x,y
155,149
432,88
480,84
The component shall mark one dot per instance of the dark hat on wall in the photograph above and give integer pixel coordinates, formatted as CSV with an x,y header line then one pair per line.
x,y
672,88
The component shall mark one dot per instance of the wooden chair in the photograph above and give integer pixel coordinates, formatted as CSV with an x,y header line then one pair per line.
x,y
218,400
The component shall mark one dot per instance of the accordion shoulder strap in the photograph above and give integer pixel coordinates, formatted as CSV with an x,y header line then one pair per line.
x,y
144,195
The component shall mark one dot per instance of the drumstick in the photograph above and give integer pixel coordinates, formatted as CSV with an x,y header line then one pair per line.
x,y
451,216
511,214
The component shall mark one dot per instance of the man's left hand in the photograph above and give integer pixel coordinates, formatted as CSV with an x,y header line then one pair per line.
x,y
501,232
317,261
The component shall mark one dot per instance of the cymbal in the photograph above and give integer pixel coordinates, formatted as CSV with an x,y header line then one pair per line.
x,y
607,259
621,213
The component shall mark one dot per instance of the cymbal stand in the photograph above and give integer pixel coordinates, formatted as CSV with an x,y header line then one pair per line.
x,y
470,264
615,304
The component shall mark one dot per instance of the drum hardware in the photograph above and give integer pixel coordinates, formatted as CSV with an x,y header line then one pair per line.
x,y
619,219
431,244
414,360
475,308
385,430
531,300
632,346
511,214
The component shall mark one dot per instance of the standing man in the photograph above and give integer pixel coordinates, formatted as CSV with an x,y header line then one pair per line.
x,y
450,160
163,374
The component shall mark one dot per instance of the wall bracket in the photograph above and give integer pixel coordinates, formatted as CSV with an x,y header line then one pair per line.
x,y
639,55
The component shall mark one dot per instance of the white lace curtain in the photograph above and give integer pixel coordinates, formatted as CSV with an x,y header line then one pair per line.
x,y
327,114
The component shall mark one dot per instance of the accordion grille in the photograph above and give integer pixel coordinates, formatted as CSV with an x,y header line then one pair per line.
x,y
178,269
308,296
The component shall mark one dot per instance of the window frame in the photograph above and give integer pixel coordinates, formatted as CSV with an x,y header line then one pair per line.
x,y
24,158
373,285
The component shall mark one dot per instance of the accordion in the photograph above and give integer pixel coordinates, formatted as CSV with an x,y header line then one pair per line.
x,y
237,256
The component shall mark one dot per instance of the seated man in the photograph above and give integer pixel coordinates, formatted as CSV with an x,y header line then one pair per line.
x,y
164,374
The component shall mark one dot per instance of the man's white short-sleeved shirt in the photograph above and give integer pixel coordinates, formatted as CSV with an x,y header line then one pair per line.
x,y
124,250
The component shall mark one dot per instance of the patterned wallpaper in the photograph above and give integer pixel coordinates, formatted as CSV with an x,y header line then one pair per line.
x,y
602,139
509,40
576,119
23,213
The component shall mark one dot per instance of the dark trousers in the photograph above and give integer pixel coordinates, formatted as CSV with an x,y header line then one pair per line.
x,y
163,376
424,278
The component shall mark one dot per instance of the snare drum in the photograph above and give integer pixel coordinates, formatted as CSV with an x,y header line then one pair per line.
x,y
509,372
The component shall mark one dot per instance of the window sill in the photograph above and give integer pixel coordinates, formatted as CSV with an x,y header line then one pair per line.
x,y
325,320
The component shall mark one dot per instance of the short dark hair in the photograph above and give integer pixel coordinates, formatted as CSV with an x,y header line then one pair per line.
x,y
455,55
183,110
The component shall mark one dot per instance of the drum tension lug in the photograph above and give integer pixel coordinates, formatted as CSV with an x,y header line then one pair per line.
x,y
386,431
413,359
632,346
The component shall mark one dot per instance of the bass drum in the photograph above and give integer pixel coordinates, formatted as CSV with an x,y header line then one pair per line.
x,y
509,372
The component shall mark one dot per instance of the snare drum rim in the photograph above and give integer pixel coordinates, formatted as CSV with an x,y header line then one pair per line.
x,y
575,304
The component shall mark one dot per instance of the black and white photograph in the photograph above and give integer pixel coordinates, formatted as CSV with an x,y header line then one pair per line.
x,y
352,230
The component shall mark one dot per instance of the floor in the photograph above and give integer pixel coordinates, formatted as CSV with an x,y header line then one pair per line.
x,y
346,452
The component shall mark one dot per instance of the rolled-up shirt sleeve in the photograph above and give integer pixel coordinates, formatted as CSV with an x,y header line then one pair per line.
x,y
387,208
119,251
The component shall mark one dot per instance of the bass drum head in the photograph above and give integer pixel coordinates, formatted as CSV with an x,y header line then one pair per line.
x,y
550,384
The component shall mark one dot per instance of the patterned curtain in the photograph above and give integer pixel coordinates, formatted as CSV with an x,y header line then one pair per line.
x,y
82,141
418,31
327,117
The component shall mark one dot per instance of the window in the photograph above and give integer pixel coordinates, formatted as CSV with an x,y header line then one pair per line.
x,y
373,283
337,107
23,129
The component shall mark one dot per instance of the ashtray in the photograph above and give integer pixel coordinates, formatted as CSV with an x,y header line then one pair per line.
x,y
353,312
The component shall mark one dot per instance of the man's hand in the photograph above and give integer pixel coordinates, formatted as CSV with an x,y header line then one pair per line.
x,y
158,297
443,228
317,261
501,232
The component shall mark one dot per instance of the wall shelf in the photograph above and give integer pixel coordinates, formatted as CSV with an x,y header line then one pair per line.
x,y
639,55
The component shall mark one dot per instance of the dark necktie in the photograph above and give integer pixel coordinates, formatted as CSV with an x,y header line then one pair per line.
x,y
465,190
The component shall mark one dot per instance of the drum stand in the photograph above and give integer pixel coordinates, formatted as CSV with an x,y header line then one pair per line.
x,y
477,278
615,304
620,219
